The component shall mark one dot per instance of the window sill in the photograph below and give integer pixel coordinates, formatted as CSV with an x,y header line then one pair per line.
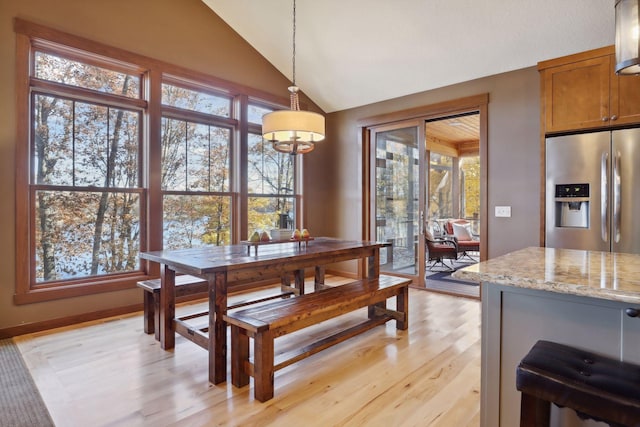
x,y
76,290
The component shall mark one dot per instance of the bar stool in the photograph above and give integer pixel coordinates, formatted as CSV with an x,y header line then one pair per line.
x,y
596,387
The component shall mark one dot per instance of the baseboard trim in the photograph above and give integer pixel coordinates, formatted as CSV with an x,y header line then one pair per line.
x,y
30,328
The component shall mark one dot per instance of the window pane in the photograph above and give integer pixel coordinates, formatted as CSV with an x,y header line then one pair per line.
x,y
470,190
198,166
81,144
174,154
81,234
256,112
90,157
397,186
192,221
440,186
123,149
269,172
202,102
53,140
267,213
195,157
219,158
74,73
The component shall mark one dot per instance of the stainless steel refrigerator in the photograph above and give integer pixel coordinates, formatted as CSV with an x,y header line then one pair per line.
x,y
593,191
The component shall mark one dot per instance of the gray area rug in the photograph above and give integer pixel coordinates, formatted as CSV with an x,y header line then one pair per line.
x,y
20,401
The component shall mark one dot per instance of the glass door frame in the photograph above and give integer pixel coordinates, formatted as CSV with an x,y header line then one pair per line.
x,y
370,222
420,114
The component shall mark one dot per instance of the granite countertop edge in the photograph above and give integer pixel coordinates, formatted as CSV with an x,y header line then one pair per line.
x,y
561,287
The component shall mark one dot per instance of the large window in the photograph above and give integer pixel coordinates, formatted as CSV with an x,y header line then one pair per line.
x,y
120,154
85,187
271,181
196,155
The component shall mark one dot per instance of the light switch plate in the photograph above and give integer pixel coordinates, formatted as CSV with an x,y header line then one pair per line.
x,y
503,211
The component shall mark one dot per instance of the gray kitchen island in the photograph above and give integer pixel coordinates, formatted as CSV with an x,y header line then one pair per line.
x,y
585,299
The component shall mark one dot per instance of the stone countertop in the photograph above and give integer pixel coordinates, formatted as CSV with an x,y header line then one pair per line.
x,y
611,276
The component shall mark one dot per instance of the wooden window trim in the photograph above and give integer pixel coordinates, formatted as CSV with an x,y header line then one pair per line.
x,y
43,34
152,73
78,93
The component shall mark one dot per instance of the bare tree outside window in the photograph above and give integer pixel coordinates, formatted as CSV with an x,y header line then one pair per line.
x,y
270,172
271,182
85,154
195,171
92,171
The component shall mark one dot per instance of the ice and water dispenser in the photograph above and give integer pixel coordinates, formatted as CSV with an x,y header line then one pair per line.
x,y
572,205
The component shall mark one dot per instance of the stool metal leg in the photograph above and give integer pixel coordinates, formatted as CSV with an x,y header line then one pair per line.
x,y
534,412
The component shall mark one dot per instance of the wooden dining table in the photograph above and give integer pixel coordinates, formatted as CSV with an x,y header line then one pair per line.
x,y
224,266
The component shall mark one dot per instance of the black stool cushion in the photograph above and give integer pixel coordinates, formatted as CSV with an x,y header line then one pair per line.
x,y
597,387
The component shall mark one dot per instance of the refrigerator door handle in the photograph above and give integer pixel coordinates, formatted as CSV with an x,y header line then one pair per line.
x,y
604,202
616,197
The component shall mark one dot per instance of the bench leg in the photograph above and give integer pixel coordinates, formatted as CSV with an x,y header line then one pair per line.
x,y
239,356
402,306
156,315
149,312
263,366
534,412
372,309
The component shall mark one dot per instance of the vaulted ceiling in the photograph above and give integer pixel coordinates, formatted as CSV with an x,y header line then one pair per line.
x,y
351,53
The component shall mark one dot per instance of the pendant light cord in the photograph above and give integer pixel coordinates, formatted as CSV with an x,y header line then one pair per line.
x,y
295,102
294,42
294,131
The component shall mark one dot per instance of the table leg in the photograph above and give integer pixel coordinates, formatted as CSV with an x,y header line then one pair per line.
x,y
167,307
318,283
285,284
298,277
373,265
217,328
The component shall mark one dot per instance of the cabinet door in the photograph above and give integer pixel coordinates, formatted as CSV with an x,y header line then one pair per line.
x,y
625,99
577,95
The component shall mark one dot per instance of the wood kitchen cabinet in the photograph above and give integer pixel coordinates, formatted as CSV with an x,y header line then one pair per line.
x,y
582,91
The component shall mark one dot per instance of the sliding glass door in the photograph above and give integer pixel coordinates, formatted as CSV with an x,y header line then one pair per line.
x,y
397,205
422,168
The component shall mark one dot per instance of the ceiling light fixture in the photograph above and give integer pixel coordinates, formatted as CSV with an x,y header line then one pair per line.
x,y
293,131
627,37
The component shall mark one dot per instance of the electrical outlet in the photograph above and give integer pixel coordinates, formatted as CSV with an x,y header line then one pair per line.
x,y
503,211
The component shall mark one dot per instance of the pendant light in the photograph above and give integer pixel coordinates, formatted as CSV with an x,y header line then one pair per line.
x,y
293,131
627,37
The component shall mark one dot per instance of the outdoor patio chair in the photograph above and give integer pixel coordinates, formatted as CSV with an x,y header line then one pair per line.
x,y
438,250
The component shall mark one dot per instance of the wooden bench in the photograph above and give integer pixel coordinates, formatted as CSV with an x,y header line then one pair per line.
x,y
266,322
186,286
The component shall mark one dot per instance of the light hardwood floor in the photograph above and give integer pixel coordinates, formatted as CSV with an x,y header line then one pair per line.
x,y
109,373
